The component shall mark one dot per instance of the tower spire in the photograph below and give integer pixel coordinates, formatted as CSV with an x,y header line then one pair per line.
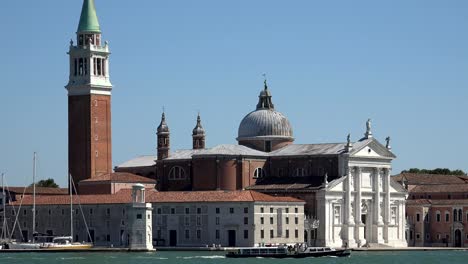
x,y
88,20
163,138
198,135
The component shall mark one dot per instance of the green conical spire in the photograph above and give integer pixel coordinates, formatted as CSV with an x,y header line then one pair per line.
x,y
88,19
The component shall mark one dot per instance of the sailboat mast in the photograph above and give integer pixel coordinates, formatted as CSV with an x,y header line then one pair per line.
x,y
4,228
34,196
71,206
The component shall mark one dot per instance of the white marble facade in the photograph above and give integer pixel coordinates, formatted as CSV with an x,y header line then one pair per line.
x,y
363,207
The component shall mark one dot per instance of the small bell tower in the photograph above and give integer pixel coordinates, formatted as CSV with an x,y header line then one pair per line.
x,y
163,138
198,135
89,100
140,222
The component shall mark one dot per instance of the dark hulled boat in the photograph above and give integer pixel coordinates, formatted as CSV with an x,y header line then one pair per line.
x,y
284,252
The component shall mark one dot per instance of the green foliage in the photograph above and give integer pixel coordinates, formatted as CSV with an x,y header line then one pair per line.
x,y
47,183
441,171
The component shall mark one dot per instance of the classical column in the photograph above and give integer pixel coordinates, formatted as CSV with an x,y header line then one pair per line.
x,y
349,186
377,199
386,177
357,201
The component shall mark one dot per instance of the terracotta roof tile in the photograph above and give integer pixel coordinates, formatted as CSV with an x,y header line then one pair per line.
x,y
456,202
39,190
217,196
426,179
152,196
440,188
121,177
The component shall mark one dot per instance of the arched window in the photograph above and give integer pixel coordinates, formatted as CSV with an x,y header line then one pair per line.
x,y
299,172
447,216
460,215
259,173
455,215
177,173
438,216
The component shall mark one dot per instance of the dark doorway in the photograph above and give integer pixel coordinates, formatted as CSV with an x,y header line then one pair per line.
x,y
364,220
24,234
306,237
458,240
173,238
122,237
91,236
232,238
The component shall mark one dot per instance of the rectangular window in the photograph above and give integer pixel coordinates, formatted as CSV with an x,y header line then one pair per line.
x,y
217,220
417,217
287,233
296,220
91,211
271,220
187,221
187,234
198,221
217,210
296,210
198,234
262,234
272,234
172,210
246,220
108,211
217,234
262,210
246,234
271,210
198,210
231,210
108,238
187,210
287,220
296,233
246,210
139,216
287,210
262,221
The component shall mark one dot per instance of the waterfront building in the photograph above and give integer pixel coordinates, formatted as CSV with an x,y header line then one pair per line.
x,y
195,219
437,209
350,200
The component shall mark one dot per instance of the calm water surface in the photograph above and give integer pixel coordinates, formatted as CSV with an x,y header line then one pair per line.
x,y
414,257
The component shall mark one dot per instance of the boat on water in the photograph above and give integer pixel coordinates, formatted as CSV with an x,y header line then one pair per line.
x,y
65,243
44,242
286,252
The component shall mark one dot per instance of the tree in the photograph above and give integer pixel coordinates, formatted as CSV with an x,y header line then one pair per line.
x,y
440,171
47,183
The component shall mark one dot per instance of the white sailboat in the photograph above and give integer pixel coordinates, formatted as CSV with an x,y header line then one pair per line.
x,y
66,242
30,244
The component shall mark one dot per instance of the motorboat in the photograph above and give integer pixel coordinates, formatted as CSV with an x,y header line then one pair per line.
x,y
287,252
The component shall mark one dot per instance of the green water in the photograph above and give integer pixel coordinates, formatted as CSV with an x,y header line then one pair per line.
x,y
412,257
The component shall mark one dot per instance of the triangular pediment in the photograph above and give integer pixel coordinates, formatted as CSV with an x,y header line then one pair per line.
x,y
371,148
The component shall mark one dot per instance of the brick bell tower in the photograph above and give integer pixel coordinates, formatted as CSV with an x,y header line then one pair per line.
x,y
89,100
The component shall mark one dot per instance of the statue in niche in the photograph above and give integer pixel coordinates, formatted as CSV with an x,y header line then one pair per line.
x,y
352,209
364,207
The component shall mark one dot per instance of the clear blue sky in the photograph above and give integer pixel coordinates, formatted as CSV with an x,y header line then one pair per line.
x,y
330,66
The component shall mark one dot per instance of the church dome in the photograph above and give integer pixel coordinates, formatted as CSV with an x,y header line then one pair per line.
x,y
265,124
